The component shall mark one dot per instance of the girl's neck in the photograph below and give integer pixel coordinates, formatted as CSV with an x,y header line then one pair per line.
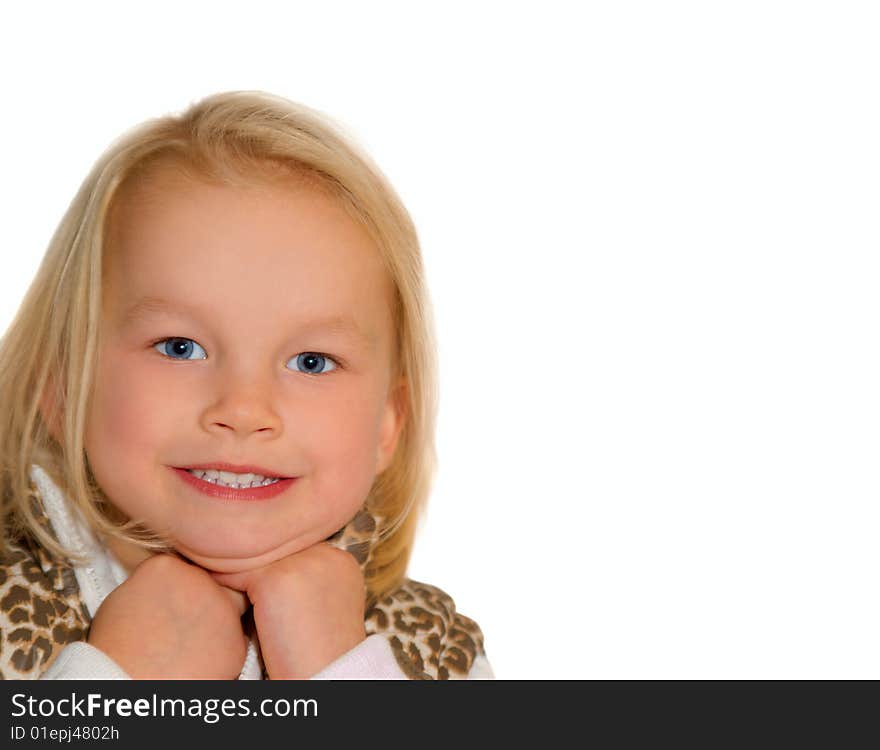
x,y
128,554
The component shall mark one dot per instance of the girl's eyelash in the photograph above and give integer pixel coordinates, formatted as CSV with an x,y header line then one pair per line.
x,y
338,362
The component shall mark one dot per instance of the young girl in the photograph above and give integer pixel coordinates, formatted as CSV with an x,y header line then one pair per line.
x,y
218,409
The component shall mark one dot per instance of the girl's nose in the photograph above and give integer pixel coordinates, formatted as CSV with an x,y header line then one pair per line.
x,y
244,408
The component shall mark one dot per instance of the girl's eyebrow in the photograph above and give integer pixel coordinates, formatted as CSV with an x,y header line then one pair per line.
x,y
339,324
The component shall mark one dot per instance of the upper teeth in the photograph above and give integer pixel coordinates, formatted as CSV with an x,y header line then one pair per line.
x,y
229,479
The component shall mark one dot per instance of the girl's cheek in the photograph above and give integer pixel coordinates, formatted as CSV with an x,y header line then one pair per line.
x,y
130,409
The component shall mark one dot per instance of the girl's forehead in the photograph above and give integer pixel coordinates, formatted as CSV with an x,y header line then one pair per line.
x,y
281,224
288,250
163,190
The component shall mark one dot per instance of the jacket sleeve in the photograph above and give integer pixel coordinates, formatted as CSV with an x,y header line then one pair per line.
x,y
82,661
373,659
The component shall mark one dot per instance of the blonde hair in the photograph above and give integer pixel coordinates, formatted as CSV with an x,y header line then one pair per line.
x,y
48,353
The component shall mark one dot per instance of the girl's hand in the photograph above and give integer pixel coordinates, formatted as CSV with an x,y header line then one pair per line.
x,y
171,621
308,609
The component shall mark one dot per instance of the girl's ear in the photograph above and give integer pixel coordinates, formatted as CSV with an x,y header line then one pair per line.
x,y
393,416
52,414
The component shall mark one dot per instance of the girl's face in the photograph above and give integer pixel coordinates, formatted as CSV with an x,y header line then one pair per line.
x,y
249,279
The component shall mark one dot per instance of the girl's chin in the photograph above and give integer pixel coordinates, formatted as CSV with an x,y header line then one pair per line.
x,y
221,561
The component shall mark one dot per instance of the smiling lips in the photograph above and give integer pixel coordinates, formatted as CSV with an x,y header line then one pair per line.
x,y
221,491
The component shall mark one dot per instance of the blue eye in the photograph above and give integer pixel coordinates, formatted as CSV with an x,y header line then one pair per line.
x,y
314,362
177,346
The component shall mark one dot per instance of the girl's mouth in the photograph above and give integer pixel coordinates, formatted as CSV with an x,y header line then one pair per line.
x,y
218,486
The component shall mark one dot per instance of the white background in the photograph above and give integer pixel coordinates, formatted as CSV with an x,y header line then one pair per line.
x,y
651,234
